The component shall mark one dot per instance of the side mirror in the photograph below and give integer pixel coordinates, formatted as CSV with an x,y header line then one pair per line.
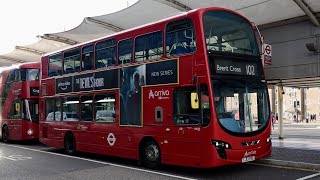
x,y
194,101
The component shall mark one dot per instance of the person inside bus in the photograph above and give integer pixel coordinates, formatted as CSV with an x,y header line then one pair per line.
x,y
86,113
134,100
87,62
123,100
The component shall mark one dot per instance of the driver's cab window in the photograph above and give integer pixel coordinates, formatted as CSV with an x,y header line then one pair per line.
x,y
16,110
183,111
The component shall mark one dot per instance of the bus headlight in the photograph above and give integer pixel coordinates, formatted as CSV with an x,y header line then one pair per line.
x,y
269,139
30,132
220,144
221,147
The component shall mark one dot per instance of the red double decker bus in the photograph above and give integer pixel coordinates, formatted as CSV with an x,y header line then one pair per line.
x,y
19,102
189,90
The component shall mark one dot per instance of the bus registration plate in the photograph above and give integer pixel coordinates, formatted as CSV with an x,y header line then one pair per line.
x,y
248,159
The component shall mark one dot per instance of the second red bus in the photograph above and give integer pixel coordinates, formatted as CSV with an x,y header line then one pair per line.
x,y
19,102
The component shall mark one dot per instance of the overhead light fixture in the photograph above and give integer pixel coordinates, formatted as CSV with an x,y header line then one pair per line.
x,y
312,47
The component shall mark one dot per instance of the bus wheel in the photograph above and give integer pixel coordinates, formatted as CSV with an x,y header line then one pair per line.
x,y
151,155
70,144
5,133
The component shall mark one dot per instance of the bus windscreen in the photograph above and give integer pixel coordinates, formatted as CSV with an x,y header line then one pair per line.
x,y
241,107
229,33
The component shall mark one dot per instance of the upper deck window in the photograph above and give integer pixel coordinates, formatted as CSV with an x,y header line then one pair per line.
x,y
32,74
12,76
71,61
55,65
105,53
125,51
29,74
180,37
17,76
87,58
229,33
148,47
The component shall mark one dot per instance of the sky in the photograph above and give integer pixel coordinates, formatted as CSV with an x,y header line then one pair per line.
x,y
23,20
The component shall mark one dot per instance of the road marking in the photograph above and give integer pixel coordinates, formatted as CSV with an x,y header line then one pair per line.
x,y
9,158
298,128
101,162
19,157
16,157
309,177
282,167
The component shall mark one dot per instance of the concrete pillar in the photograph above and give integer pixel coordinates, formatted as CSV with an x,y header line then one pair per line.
x,y
280,109
273,100
302,104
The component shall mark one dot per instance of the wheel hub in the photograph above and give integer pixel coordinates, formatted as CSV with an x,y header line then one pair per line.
x,y
5,133
152,152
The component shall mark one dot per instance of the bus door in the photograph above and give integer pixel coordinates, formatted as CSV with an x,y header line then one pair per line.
x,y
157,115
53,109
103,136
182,131
30,123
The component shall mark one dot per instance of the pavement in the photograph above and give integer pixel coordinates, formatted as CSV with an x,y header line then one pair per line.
x,y
294,150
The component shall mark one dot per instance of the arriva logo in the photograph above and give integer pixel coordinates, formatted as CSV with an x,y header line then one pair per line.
x,y
163,94
250,153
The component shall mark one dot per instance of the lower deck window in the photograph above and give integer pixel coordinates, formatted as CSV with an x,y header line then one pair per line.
x,y
105,108
70,109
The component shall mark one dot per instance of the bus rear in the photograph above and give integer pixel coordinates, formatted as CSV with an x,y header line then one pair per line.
x,y
240,123
20,102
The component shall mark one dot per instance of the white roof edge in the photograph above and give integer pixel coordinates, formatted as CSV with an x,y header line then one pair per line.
x,y
124,31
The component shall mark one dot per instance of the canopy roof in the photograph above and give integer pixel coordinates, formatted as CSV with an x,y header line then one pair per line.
x,y
261,12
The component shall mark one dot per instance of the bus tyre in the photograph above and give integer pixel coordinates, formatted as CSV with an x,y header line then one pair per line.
x,y
70,144
5,133
151,155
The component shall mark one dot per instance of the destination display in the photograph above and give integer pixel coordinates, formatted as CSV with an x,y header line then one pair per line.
x,y
236,67
34,91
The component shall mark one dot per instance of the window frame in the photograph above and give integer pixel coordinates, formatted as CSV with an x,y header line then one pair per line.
x,y
81,107
174,104
82,57
168,54
146,36
57,72
75,52
27,77
63,109
107,94
112,45
11,114
251,32
118,51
